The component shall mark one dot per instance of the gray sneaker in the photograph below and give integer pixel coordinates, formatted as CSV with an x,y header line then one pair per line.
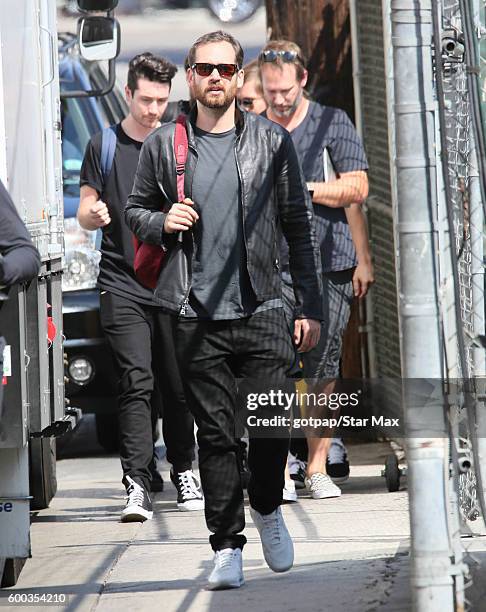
x,y
321,486
278,548
228,570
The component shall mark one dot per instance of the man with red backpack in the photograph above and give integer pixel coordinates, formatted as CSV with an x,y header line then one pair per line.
x,y
139,334
221,281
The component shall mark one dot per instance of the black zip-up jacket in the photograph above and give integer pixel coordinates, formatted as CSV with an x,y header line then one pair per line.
x,y
274,198
19,259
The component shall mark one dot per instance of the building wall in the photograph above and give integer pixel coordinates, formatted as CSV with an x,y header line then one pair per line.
x,y
373,48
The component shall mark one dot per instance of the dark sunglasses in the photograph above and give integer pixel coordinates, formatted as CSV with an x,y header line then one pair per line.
x,y
248,102
271,55
227,71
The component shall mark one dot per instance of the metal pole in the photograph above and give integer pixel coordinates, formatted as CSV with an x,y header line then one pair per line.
x,y
431,581
479,327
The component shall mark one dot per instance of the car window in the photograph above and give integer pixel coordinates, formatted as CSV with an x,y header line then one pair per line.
x,y
79,122
81,118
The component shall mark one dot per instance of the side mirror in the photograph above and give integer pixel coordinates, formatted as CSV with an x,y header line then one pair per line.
x,y
99,38
96,5
230,11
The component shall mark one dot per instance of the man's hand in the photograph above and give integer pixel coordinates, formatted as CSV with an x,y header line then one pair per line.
x,y
306,334
363,278
180,217
92,212
98,214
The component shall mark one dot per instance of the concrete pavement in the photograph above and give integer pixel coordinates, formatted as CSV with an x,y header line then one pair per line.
x,y
351,552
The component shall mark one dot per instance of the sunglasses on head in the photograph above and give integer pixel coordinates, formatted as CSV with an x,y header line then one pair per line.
x,y
271,55
227,71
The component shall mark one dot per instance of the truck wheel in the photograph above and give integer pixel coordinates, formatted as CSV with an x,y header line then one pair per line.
x,y
42,472
11,571
392,473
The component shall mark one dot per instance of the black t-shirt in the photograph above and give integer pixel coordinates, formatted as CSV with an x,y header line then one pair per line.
x,y
117,251
221,287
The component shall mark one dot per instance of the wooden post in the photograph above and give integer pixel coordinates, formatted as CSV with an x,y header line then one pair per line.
x,y
322,29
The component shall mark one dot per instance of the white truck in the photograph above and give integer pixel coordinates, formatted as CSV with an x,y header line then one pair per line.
x,y
34,408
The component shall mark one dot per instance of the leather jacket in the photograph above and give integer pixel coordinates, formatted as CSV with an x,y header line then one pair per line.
x,y
274,199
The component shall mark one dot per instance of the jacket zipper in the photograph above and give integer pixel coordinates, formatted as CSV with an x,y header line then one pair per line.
x,y
185,301
242,200
183,309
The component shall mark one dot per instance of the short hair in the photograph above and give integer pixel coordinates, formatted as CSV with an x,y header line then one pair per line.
x,y
300,61
216,37
151,67
252,73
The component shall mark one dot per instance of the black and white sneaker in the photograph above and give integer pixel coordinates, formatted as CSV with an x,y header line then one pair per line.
x,y
297,470
189,494
337,464
139,505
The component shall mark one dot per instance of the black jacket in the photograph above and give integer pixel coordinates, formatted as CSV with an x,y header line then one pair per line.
x,y
19,259
274,197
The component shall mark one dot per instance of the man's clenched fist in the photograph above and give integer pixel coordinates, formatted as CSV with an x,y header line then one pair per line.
x,y
180,217
98,214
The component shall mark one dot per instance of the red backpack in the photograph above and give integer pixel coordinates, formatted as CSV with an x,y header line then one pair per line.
x,y
149,257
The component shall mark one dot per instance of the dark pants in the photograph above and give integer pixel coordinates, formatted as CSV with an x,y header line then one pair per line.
x,y
142,342
212,355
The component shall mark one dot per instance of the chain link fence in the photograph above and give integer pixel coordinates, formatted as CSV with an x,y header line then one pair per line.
x,y
468,223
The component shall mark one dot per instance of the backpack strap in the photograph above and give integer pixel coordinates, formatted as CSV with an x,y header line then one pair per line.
x,y
180,153
108,146
316,143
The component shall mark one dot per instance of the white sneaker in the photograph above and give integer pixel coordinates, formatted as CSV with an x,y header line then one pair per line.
x,y
228,570
278,548
289,494
321,486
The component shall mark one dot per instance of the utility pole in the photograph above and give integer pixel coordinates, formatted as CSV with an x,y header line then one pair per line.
x,y
417,266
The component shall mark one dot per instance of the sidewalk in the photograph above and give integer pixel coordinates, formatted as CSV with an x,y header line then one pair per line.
x,y
350,552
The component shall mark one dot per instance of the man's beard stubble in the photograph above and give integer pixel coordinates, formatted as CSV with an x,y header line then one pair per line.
x,y
288,112
222,103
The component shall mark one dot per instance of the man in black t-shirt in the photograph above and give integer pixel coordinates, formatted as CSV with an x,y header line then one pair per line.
x,y
139,334
334,166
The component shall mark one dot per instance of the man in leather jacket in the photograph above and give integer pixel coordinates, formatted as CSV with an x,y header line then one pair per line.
x,y
243,183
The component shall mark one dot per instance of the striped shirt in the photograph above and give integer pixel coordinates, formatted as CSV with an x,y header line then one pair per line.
x,y
329,128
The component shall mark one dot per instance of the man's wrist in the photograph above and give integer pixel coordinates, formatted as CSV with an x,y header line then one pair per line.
x,y
364,258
